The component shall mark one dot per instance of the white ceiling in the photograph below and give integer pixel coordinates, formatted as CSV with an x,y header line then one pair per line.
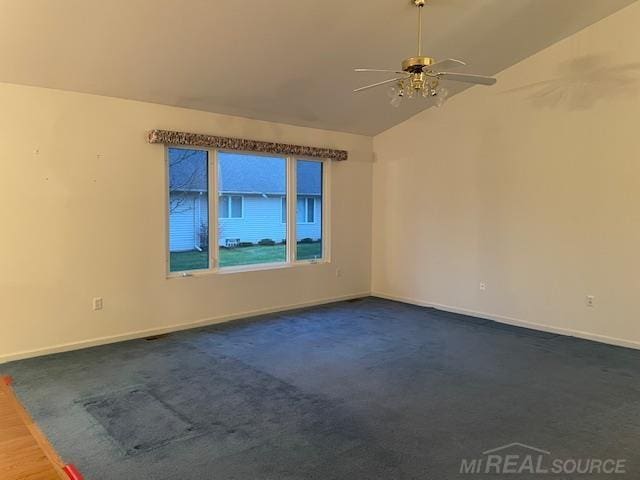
x,y
286,61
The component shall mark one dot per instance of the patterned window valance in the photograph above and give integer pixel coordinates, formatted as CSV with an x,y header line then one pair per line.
x,y
228,143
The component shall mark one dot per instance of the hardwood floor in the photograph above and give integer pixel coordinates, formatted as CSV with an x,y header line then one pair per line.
x,y
25,453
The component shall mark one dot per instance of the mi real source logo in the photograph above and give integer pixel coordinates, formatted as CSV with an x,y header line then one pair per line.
x,y
518,458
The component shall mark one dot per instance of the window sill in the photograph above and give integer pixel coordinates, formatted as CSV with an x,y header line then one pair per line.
x,y
246,269
262,267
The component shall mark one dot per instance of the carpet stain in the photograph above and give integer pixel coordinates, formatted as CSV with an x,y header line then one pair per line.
x,y
137,420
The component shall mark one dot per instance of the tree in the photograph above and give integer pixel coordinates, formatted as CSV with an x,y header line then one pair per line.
x,y
187,175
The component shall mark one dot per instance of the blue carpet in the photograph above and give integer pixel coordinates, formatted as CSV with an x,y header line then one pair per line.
x,y
371,389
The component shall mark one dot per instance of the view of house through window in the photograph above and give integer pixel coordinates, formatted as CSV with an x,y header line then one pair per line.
x,y
188,210
252,204
251,189
309,210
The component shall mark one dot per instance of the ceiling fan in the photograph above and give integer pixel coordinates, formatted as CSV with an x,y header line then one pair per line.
x,y
420,76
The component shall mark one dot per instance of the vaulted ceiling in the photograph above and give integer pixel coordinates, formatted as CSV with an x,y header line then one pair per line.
x,y
286,61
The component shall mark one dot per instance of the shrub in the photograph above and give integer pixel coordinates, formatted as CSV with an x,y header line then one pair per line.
x,y
266,242
245,244
306,240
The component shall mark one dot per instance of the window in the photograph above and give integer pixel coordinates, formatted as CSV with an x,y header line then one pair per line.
x,y
306,210
258,236
252,207
230,206
309,180
311,212
188,209
283,210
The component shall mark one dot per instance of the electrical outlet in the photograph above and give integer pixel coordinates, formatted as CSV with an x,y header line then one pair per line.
x,y
97,303
483,286
338,272
590,301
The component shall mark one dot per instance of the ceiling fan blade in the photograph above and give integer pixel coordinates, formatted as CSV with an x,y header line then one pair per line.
x,y
446,64
378,84
397,72
468,78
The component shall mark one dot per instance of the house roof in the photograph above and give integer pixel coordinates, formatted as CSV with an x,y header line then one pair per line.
x,y
241,173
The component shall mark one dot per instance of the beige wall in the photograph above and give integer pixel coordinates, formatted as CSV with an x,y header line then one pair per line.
x,y
533,188
83,215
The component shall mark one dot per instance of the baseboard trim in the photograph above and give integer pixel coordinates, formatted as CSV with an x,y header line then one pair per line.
x,y
594,337
94,342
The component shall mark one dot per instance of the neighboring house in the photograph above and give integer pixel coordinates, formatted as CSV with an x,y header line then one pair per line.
x,y
252,203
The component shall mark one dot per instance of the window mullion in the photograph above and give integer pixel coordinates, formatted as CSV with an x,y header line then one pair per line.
x,y
291,209
326,210
167,172
213,210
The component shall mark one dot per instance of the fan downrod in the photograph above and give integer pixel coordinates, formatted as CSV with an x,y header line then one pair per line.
x,y
414,65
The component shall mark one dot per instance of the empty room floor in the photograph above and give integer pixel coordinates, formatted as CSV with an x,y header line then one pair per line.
x,y
368,389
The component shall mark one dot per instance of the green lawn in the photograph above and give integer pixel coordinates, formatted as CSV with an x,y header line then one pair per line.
x,y
231,257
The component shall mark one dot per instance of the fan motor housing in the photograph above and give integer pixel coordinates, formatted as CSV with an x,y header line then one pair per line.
x,y
416,64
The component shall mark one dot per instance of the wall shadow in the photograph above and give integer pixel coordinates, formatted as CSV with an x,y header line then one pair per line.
x,y
582,82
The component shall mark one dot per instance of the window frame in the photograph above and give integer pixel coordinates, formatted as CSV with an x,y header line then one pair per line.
x,y
291,199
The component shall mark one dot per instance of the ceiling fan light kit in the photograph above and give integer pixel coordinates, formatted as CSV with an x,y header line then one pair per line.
x,y
420,75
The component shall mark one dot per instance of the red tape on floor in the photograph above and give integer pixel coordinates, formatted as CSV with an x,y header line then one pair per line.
x,y
72,472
